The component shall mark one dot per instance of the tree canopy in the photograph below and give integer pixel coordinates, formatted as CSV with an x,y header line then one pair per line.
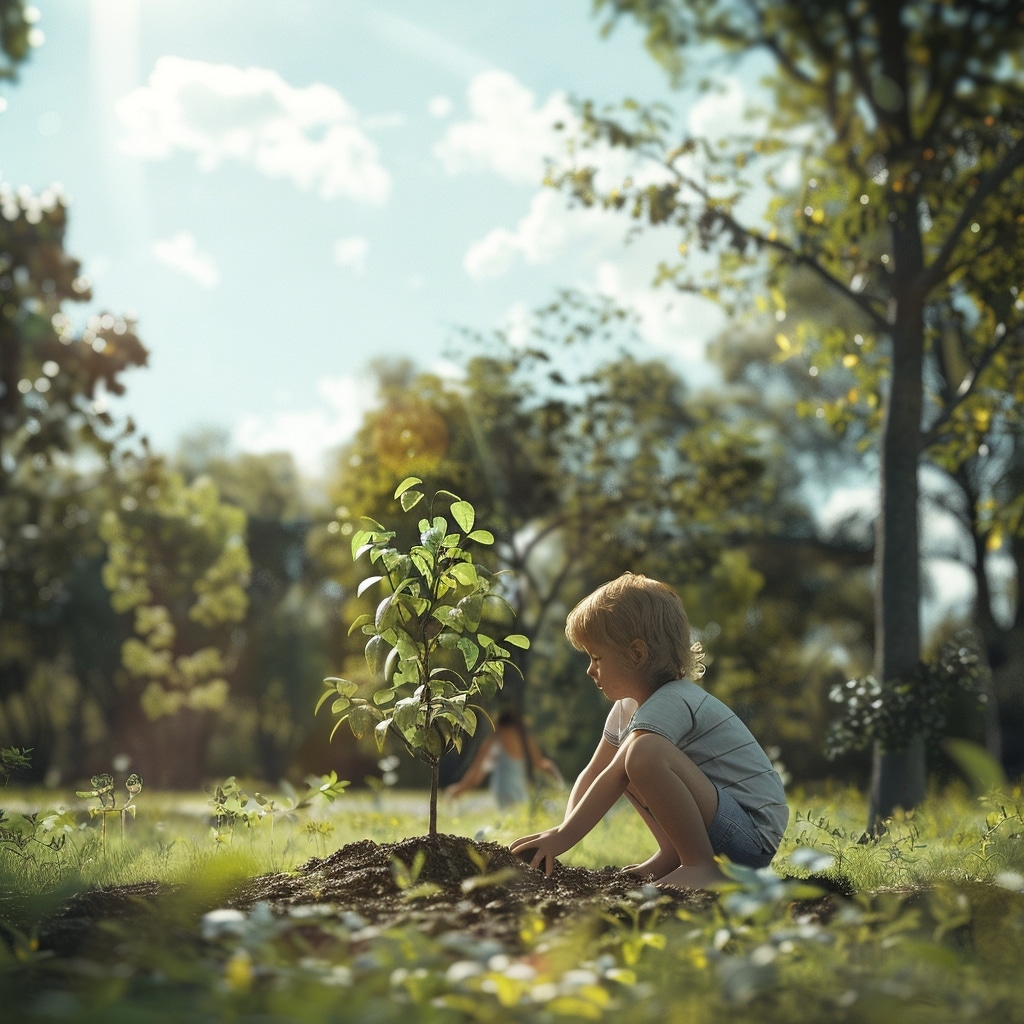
x,y
903,121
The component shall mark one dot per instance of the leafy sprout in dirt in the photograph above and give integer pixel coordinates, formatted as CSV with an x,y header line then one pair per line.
x,y
429,647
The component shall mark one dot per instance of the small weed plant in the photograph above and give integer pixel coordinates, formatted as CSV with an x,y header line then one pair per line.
x,y
233,808
103,790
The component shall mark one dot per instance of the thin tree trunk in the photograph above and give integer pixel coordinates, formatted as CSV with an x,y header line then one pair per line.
x,y
435,772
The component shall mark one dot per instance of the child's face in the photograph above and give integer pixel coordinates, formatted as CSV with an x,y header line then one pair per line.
x,y
614,673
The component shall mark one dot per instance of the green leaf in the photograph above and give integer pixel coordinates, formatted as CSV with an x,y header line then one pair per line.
x,y
432,534
376,651
366,584
345,687
472,609
407,713
361,543
407,647
434,742
518,640
385,614
362,718
470,651
464,514
465,573
406,484
380,733
359,622
482,536
424,562
410,499
486,686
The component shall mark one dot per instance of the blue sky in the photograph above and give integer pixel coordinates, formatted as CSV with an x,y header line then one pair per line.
x,y
284,190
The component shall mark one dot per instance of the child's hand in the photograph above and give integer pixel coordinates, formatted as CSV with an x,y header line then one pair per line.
x,y
541,849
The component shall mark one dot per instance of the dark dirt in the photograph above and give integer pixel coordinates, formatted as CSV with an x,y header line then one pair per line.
x,y
477,887
462,884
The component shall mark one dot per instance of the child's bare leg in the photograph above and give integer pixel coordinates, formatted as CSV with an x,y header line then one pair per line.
x,y
682,800
665,859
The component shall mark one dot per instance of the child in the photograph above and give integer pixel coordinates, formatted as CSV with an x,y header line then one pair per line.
x,y
684,760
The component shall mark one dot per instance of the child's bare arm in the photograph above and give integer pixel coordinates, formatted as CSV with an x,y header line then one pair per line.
x,y
595,803
603,755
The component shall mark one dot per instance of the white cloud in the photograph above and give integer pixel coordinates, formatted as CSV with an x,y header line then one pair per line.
x,y
513,136
440,107
548,228
508,133
719,111
351,253
182,253
219,112
309,433
675,323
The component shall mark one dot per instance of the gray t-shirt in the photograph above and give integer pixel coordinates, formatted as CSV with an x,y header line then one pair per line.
x,y
714,738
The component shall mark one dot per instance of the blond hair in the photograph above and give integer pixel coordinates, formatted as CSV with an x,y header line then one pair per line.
x,y
634,607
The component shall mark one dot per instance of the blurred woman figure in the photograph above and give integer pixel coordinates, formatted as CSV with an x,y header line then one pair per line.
x,y
509,756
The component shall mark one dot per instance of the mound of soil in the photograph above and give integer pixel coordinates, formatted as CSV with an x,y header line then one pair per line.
x,y
446,882
439,884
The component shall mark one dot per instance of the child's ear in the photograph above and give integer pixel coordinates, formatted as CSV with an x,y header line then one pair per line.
x,y
638,652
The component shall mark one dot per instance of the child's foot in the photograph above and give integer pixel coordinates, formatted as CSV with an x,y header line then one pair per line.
x,y
691,877
657,866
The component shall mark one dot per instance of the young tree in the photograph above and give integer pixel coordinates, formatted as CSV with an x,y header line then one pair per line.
x,y
904,117
429,649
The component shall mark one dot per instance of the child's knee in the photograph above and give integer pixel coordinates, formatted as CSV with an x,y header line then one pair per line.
x,y
646,755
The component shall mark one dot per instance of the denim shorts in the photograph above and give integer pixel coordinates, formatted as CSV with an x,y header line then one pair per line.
x,y
732,833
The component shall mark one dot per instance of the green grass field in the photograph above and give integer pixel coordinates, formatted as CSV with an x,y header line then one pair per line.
x,y
935,931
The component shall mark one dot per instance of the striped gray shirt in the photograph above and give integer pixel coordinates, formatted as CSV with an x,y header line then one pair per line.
x,y
715,739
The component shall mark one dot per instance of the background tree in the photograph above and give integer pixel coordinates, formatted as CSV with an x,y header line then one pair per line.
x,y
177,561
17,21
285,637
57,444
905,120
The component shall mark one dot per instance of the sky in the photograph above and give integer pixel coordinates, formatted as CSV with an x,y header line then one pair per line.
x,y
282,191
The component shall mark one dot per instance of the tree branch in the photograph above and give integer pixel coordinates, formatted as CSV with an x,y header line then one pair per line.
x,y
933,273
933,434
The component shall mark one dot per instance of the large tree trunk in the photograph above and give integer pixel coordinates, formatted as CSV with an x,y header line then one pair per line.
x,y
899,775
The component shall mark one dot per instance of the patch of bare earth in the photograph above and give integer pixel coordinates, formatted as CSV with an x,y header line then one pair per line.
x,y
460,884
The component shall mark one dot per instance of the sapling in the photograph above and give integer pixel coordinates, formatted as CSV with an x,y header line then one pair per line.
x,y
426,648
103,790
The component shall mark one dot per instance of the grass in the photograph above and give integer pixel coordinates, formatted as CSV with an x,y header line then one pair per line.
x,y
933,935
